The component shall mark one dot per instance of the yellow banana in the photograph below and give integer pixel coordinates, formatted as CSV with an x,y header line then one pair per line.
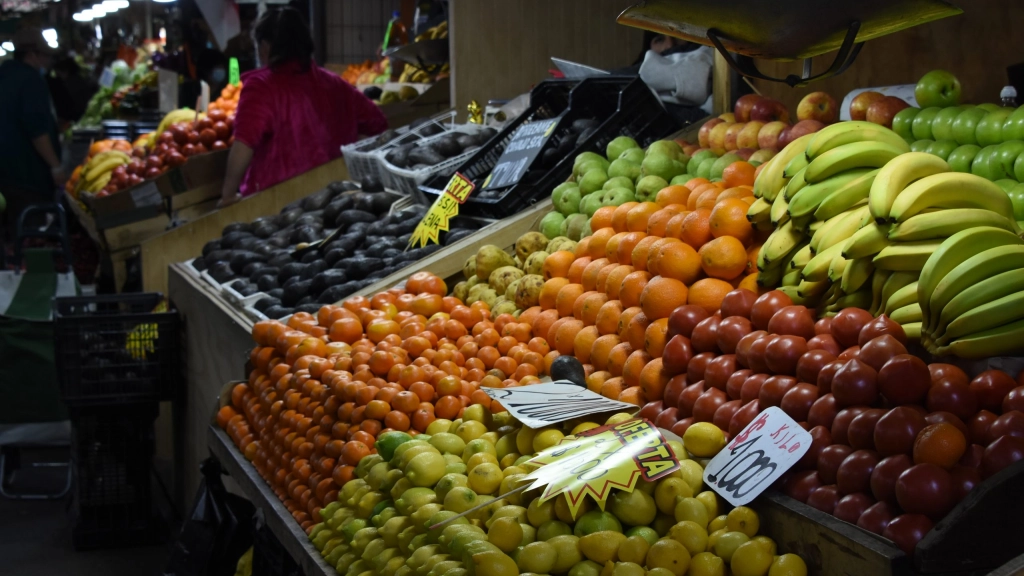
x,y
906,256
950,190
841,133
897,175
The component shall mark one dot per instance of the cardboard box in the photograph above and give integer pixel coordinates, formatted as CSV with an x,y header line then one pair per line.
x,y
137,203
199,171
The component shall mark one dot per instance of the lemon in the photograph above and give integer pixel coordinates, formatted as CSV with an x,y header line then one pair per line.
x,y
509,483
494,563
596,521
618,418
629,569
460,542
646,487
390,479
632,549
568,549
448,443
552,528
357,567
710,501
482,458
437,518
490,437
585,568
659,572
350,527
743,519
529,534
405,457
691,509
368,502
717,523
728,543
703,439
431,562
350,488
538,512
344,562
414,498
583,427
373,548
750,559
425,469
455,425
563,513
522,460
538,557
713,538
524,440
767,542
636,508
691,535
662,524
706,564
670,555
477,446
485,478
389,531
442,568
506,445
438,426
666,492
402,449
788,565
546,439
645,532
377,474
421,555
470,430
460,499
366,463
449,481
692,473
602,546
477,413
512,468
423,513
509,461
677,449
449,532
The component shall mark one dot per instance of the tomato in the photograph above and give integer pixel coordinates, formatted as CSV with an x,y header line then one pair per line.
x,y
689,397
731,330
203,123
673,389
782,353
878,351
964,480
743,417
861,433
679,428
821,438
848,354
165,137
906,530
651,410
852,506
847,324
1009,424
972,456
698,364
941,371
824,498
824,342
188,150
154,161
797,401
707,404
667,418
855,384
823,412
990,387
738,303
723,416
800,485
810,364
201,148
979,425
885,474
766,306
207,136
904,379
179,133
1000,454
774,388
718,371
134,179
793,321
152,172
222,130
925,489
896,431
876,517
734,385
755,354
677,354
219,145
952,396
744,344
175,158
826,375
751,387
823,326
119,175
854,474
1014,400
937,417
705,335
216,115
881,325
841,423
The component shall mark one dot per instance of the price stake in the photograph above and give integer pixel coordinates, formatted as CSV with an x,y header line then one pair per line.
x,y
540,405
520,152
444,209
233,76
757,457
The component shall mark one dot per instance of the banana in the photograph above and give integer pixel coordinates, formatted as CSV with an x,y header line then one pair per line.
x,y
907,314
761,182
869,154
987,290
759,214
845,228
841,133
895,281
798,163
945,223
833,294
1005,340
846,196
824,229
867,241
985,317
779,215
858,299
953,252
801,257
808,198
985,264
793,294
791,278
771,180
175,117
878,279
912,330
856,274
950,190
836,268
103,156
99,183
895,176
795,184
103,167
813,290
780,244
817,269
903,297
906,256
770,277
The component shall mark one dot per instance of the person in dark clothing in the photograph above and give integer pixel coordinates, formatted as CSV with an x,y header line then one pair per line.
x,y
30,167
70,90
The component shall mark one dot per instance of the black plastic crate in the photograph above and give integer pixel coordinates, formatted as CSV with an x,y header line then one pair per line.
x,y
116,349
624,105
111,456
269,557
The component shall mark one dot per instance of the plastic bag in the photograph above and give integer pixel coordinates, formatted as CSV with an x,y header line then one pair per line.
x,y
218,532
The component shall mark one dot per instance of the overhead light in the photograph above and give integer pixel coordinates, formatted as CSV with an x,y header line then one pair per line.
x,y
83,16
50,35
3,52
8,45
164,1
111,5
99,31
98,10
163,33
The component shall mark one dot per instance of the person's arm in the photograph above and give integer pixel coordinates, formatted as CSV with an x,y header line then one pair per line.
x,y
44,147
239,159
370,120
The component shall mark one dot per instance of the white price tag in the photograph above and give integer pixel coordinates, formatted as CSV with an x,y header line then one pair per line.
x,y
540,405
757,456
107,78
146,194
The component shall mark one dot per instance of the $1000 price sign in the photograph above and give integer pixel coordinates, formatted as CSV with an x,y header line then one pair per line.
x,y
444,209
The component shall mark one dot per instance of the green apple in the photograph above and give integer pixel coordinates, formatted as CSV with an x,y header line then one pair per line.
x,y
1018,168
920,145
551,224
941,148
721,164
902,123
592,181
619,145
965,124
572,226
566,198
668,148
986,164
922,125
1016,195
664,167
704,169
618,182
648,187
960,160
624,168
634,155
937,88
942,124
990,128
1006,184
1013,127
1008,153
989,107
697,158
617,197
590,203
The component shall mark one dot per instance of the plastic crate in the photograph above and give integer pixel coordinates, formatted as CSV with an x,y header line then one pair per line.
x,y
116,349
269,557
407,181
626,105
365,158
111,455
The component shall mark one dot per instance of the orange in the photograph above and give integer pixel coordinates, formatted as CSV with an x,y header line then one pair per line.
x,y
545,319
679,261
611,248
617,358
602,277
749,282
582,247
626,246
614,279
632,286
602,218
737,192
595,379
661,296
674,226
691,202
941,444
607,321
653,379
654,254
708,293
634,364
697,228
353,452
639,215
635,331
738,173
723,257
729,218
692,183
640,252
346,330
549,292
565,335
591,306
708,199
655,337
601,348
619,216
557,264
577,306
528,315
591,272
752,253
575,274
633,395
674,194
598,241
625,317
565,299
584,342
612,388
658,222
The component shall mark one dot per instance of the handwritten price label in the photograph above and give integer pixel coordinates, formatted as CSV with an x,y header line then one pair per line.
x,y
757,456
540,405
444,209
520,152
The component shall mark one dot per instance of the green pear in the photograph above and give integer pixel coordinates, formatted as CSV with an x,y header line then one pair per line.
x,y
634,155
617,197
592,181
619,145
573,226
704,168
696,159
668,148
566,198
551,224
662,166
586,157
580,169
721,164
590,203
648,187
624,168
681,179
619,182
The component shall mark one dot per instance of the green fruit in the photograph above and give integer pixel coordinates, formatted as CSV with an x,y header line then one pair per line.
x,y
586,157
624,168
590,204
572,227
619,145
592,181
617,197
902,123
721,164
669,148
1008,152
1006,184
942,124
681,179
990,128
942,148
648,187
551,224
581,169
960,159
619,182
704,169
1016,195
633,155
921,127
596,521
1013,127
987,165
920,145
965,125
387,443
696,159
566,198
663,167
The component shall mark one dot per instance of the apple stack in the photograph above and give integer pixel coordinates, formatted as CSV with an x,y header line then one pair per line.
x,y
897,443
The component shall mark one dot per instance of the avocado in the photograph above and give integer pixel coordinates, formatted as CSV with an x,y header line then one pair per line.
x,y
280,259
456,235
316,200
372,184
337,206
309,307
425,155
292,270
347,243
211,246
305,301
279,239
357,228
447,145
304,233
217,256
264,303
266,282
243,287
287,218
363,266
567,367
231,239
353,216
333,255
295,292
265,271
310,256
485,134
373,92
275,293
466,140
399,157
335,293
241,258
265,230
235,227
385,137
430,129
221,272
199,264
381,203
278,312
339,186
326,279
583,124
313,268
253,267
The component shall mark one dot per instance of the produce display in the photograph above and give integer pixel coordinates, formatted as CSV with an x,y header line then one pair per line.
x,y
127,82
95,172
436,145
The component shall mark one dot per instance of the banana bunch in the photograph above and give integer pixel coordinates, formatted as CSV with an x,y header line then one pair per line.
x,y
173,117
971,294
439,31
95,173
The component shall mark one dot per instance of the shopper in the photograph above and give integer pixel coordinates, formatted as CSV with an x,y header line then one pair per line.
x,y
30,167
292,115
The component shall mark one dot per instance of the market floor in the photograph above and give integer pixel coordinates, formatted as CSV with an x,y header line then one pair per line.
x,y
35,538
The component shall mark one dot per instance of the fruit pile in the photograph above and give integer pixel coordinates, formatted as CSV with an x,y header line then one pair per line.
x,y
86,177
227,102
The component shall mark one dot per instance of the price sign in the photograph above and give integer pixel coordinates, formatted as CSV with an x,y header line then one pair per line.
x,y
757,456
540,405
444,209
146,194
597,460
233,76
520,152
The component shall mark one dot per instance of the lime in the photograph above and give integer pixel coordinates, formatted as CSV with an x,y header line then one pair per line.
x,y
551,529
750,559
634,508
703,439
788,565
388,441
634,549
743,519
670,555
597,521
538,557
645,532
690,534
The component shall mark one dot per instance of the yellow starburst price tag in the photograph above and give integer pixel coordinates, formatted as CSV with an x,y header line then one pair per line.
x,y
444,209
597,460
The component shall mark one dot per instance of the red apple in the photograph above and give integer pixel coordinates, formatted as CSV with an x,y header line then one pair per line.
x,y
768,135
786,136
731,135
805,127
747,138
743,106
691,149
882,111
818,106
763,155
704,134
860,103
744,153
768,110
716,140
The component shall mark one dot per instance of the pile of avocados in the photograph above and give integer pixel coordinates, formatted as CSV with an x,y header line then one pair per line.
x,y
418,154
260,256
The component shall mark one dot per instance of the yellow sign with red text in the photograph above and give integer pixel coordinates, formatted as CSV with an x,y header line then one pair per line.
x,y
597,460
444,209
